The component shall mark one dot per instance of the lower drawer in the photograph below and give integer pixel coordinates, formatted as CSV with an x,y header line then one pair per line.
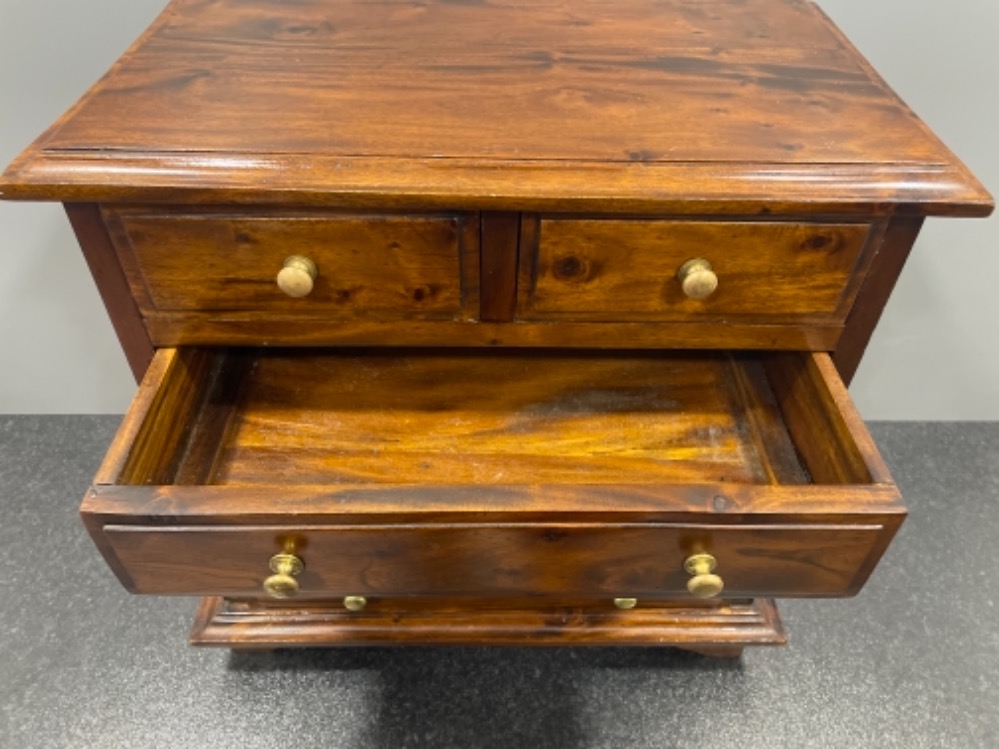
x,y
608,561
481,474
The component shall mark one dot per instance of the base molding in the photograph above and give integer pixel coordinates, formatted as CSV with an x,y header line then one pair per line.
x,y
720,628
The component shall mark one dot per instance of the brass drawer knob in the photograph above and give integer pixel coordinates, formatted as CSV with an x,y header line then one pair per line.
x,y
355,603
282,584
697,278
702,583
297,276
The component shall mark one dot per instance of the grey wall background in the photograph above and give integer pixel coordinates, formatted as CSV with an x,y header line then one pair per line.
x,y
934,357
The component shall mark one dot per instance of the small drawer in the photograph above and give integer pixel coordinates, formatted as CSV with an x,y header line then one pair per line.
x,y
613,270
190,269
477,473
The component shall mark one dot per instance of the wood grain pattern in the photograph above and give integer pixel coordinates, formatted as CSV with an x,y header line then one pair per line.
x,y
244,328
378,183
500,237
493,561
141,415
571,473
764,423
364,504
618,270
491,419
330,405
369,266
831,438
753,106
157,450
690,625
497,181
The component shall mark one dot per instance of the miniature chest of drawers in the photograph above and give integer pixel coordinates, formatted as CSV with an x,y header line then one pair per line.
x,y
503,323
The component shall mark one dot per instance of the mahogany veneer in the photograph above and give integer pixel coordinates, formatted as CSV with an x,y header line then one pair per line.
x,y
500,414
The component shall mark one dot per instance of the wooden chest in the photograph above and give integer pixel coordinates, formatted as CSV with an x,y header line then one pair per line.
x,y
508,323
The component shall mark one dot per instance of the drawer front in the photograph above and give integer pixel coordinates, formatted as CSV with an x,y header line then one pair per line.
x,y
367,266
627,270
479,560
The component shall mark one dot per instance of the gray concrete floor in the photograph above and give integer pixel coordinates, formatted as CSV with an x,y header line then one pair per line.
x,y
912,662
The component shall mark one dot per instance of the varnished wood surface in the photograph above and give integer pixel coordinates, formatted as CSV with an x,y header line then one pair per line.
x,y
370,265
461,472
255,328
492,419
496,560
716,628
642,417
626,270
831,439
500,249
206,276
152,411
758,105
502,173
365,504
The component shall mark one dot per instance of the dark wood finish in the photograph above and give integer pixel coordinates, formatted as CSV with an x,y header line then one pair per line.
x,y
619,270
765,427
370,266
509,180
261,329
638,415
91,233
825,435
426,473
203,278
216,419
491,419
650,106
164,376
500,234
713,629
455,561
878,285
154,456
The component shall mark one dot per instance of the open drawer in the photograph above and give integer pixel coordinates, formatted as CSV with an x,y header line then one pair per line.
x,y
492,474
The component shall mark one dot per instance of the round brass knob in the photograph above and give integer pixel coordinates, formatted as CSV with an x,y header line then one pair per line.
x,y
703,584
697,278
297,276
355,603
626,603
282,584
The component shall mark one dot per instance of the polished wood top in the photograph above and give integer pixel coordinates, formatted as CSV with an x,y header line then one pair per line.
x,y
635,105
